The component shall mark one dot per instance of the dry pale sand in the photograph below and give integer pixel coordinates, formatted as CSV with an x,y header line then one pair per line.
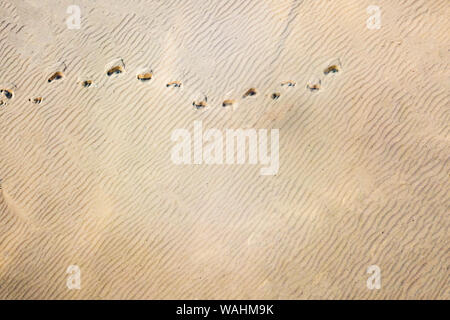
x,y
87,178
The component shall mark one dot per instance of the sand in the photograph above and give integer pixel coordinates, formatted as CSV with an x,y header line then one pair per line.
x,y
86,171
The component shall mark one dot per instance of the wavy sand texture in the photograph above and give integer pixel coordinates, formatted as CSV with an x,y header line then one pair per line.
x,y
87,180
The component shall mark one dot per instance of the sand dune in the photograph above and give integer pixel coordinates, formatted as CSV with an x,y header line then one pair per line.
x,y
86,171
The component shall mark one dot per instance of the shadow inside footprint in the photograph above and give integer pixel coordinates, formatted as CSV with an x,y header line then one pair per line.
x,y
115,70
36,100
86,83
275,95
250,92
313,87
115,67
228,103
145,76
175,84
56,76
200,104
8,93
334,68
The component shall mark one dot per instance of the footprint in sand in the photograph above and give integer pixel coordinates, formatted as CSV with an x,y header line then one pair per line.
x,y
145,75
175,84
288,83
333,67
5,95
250,92
8,93
115,70
58,75
200,104
314,85
228,102
115,67
87,83
36,100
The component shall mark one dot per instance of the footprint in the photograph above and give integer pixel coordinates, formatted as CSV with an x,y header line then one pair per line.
x,y
334,68
56,76
228,103
288,83
200,104
314,86
115,70
145,76
86,83
175,84
36,100
8,93
115,67
275,95
250,92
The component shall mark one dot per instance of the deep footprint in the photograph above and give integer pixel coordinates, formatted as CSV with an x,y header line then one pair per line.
x,y
56,76
86,83
334,68
145,76
115,67
275,95
228,103
250,92
115,70
8,93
